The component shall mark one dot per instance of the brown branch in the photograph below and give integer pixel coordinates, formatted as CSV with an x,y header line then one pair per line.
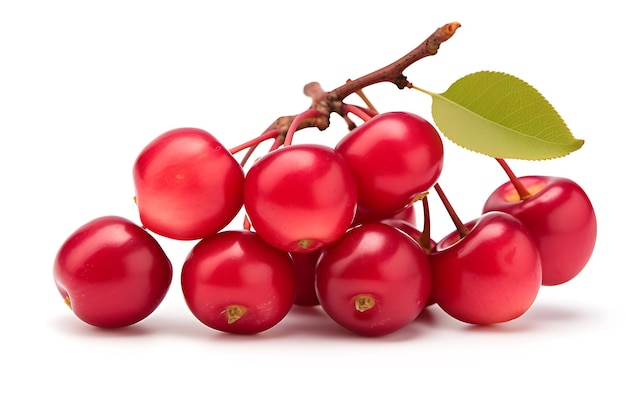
x,y
327,103
394,72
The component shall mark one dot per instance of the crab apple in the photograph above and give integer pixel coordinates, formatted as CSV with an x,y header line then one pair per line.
x,y
395,157
301,197
559,215
490,275
111,272
374,280
187,184
235,282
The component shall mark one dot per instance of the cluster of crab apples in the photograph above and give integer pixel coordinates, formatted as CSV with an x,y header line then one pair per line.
x,y
328,227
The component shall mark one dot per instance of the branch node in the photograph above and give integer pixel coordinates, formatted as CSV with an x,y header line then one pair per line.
x,y
401,82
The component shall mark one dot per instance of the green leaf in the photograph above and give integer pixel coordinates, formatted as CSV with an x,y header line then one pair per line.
x,y
501,116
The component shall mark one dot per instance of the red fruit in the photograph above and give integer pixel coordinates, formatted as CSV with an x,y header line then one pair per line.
x,y
374,280
111,272
235,282
188,185
304,275
559,215
491,275
301,197
407,214
394,157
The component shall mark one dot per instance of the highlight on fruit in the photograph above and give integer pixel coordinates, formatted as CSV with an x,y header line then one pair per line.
x,y
334,227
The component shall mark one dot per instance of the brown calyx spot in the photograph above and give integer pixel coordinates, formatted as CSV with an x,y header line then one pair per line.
x,y
364,302
305,243
67,301
419,197
234,312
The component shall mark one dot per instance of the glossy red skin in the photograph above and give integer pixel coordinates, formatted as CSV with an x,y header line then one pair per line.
x,y
112,272
490,276
407,214
300,193
381,261
394,157
415,234
187,184
238,267
304,275
410,230
559,215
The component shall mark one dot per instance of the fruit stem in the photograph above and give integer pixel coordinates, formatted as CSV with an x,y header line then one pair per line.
x,y
248,154
295,124
366,100
266,135
362,113
519,187
460,227
246,223
424,240
277,143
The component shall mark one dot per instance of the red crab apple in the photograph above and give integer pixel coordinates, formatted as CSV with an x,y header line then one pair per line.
x,y
235,282
488,271
374,280
187,184
560,216
301,197
395,157
111,272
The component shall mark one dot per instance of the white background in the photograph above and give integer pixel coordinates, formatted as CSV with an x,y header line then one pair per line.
x,y
85,85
